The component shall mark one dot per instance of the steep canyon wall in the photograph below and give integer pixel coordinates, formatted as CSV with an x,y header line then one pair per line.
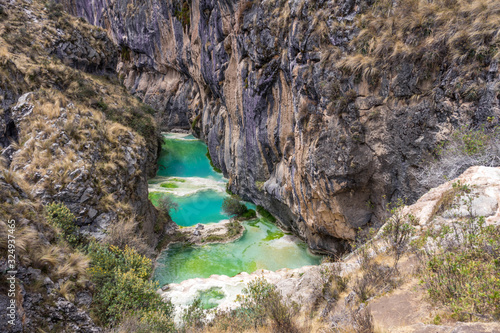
x,y
322,148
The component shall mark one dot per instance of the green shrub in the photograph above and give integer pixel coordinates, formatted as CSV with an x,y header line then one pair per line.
x,y
261,305
249,214
125,53
233,207
58,215
465,275
122,286
127,292
183,14
265,214
262,301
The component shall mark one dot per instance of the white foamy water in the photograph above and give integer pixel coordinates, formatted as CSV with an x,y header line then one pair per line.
x,y
179,136
187,185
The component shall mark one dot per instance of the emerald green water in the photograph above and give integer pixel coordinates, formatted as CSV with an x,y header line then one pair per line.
x,y
185,156
185,174
255,250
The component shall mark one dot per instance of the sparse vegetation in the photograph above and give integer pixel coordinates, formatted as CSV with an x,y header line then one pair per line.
x,y
398,230
425,33
183,14
265,214
216,169
466,147
121,279
169,185
233,229
262,305
167,204
462,272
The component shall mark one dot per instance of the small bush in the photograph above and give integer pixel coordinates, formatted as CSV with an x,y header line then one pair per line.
x,y
333,282
194,316
233,229
166,204
358,320
262,301
125,53
183,14
58,215
375,279
463,273
397,231
233,207
122,286
249,214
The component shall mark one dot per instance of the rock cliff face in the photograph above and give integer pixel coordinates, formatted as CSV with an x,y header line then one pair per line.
x,y
278,91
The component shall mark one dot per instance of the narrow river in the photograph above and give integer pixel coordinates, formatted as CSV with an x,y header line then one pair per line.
x,y
186,175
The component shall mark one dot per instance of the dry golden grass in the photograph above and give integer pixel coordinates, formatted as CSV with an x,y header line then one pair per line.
x,y
48,257
66,290
430,33
126,232
74,265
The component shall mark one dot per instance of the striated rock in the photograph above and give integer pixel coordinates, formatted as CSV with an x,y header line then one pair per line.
x,y
322,150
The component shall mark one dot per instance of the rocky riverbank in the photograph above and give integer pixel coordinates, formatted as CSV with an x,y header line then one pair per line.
x,y
222,232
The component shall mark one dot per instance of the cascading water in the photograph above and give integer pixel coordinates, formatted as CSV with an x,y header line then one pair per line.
x,y
186,175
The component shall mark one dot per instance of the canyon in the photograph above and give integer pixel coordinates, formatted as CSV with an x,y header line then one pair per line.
x,y
334,117
265,85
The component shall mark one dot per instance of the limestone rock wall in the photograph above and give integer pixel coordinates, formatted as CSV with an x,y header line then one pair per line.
x,y
322,149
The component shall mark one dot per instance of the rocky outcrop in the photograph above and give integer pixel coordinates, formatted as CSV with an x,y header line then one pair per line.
x,y
439,207
67,126
34,311
79,178
321,147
